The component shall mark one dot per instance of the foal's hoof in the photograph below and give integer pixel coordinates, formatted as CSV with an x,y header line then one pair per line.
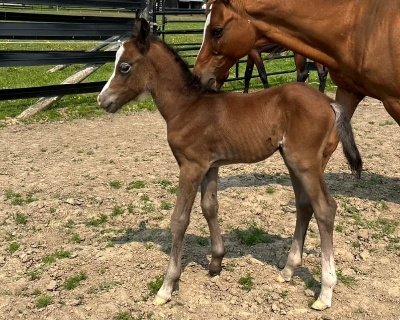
x,y
319,305
158,301
281,279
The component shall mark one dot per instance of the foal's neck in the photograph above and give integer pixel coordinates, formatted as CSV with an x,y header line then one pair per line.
x,y
170,89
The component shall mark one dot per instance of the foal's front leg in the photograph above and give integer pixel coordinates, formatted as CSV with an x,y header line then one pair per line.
x,y
190,177
209,206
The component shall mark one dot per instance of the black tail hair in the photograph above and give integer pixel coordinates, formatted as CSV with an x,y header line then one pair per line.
x,y
346,137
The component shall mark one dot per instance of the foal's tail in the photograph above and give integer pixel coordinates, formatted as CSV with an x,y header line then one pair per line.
x,y
346,137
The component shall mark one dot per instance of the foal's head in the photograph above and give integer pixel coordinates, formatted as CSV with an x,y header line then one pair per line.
x,y
130,77
227,38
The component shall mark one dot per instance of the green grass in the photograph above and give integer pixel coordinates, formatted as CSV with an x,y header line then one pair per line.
x,y
253,235
136,185
155,285
96,222
51,258
12,247
72,282
43,301
247,282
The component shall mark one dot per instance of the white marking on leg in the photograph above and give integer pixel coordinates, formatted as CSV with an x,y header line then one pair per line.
x,y
328,280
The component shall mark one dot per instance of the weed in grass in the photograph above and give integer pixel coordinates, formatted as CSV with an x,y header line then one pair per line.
x,y
284,294
386,123
148,207
148,245
155,285
123,315
106,286
115,184
348,281
72,282
165,183
247,282
144,198
339,228
356,244
117,211
56,255
310,283
165,205
136,185
394,244
13,246
36,292
69,224
253,235
33,275
230,266
173,190
202,241
270,190
96,222
76,238
43,301
131,207
20,218
382,204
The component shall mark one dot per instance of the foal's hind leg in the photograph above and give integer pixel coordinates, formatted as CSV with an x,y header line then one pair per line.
x,y
304,213
209,206
324,207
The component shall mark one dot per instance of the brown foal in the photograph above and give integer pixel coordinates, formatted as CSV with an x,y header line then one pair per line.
x,y
207,129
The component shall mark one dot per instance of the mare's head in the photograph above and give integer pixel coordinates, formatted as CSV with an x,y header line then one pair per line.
x,y
130,77
227,37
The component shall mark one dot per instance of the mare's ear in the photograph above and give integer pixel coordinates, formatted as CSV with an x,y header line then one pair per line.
x,y
141,35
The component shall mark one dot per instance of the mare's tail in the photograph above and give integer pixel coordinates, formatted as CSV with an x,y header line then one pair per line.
x,y
346,137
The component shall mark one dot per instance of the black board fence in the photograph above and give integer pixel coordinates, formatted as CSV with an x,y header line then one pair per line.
x,y
79,25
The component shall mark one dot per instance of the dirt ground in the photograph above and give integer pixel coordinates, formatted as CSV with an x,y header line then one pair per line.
x,y
88,202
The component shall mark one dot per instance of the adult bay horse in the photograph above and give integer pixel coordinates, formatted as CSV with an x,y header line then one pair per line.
x,y
357,40
208,129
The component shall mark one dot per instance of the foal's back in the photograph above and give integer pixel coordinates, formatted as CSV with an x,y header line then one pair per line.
x,y
236,127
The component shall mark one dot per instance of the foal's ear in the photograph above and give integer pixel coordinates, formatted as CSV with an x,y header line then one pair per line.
x,y
141,34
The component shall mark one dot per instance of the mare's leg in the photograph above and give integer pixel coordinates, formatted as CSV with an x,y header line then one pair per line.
x,y
392,106
209,206
261,69
248,73
301,67
304,213
349,100
190,177
322,76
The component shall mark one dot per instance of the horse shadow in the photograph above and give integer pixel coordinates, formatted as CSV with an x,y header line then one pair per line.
x,y
371,186
197,248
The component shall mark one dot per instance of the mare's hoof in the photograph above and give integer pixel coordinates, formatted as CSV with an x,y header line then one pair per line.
x,y
319,305
158,301
281,279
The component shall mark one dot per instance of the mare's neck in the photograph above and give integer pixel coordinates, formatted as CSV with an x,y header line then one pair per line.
x,y
309,27
168,87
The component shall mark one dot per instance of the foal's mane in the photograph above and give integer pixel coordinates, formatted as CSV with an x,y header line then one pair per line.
x,y
193,83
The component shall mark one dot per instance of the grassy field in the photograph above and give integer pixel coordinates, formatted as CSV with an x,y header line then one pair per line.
x,y
85,105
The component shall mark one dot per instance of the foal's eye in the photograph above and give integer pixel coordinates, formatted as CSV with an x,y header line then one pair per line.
x,y
217,32
125,67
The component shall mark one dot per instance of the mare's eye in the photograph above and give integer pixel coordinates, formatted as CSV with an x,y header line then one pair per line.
x,y
217,32
125,67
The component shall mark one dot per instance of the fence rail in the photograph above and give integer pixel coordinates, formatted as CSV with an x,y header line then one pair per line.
x,y
21,25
